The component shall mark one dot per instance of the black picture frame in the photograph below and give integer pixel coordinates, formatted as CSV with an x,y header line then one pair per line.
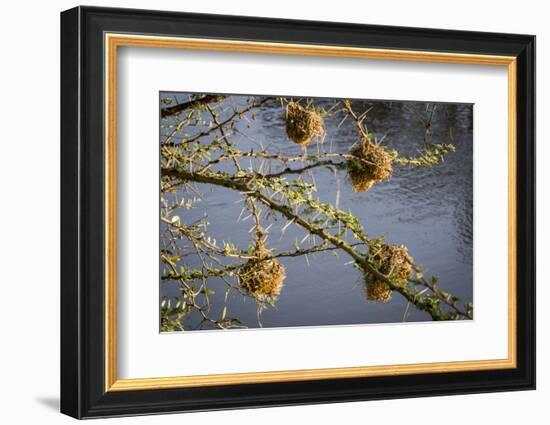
x,y
83,392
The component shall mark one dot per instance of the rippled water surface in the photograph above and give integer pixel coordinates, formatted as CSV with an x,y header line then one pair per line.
x,y
427,209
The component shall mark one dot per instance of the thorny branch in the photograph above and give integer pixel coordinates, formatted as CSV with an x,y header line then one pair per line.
x,y
202,159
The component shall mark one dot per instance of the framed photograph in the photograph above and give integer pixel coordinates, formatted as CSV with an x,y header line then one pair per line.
x,y
261,212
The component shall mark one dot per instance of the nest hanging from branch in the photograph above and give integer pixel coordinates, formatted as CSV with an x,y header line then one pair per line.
x,y
378,291
302,124
262,277
396,263
372,165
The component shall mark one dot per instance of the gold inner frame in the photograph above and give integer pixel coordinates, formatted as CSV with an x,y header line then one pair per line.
x,y
113,41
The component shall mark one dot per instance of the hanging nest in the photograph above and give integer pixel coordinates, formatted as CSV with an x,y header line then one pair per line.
x,y
262,278
393,261
378,291
373,164
302,124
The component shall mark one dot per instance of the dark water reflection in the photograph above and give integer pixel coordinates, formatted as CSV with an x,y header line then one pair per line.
x,y
427,209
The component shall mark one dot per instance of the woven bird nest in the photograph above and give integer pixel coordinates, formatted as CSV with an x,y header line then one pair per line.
x,y
393,261
396,262
378,291
262,278
302,124
372,165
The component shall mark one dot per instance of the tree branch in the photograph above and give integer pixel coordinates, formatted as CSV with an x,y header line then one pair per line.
x,y
192,104
286,211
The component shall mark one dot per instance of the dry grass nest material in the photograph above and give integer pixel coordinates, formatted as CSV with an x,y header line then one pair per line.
x,y
378,291
262,278
373,164
303,124
393,261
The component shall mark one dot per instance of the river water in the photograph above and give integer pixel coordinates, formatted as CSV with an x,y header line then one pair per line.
x,y
429,210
